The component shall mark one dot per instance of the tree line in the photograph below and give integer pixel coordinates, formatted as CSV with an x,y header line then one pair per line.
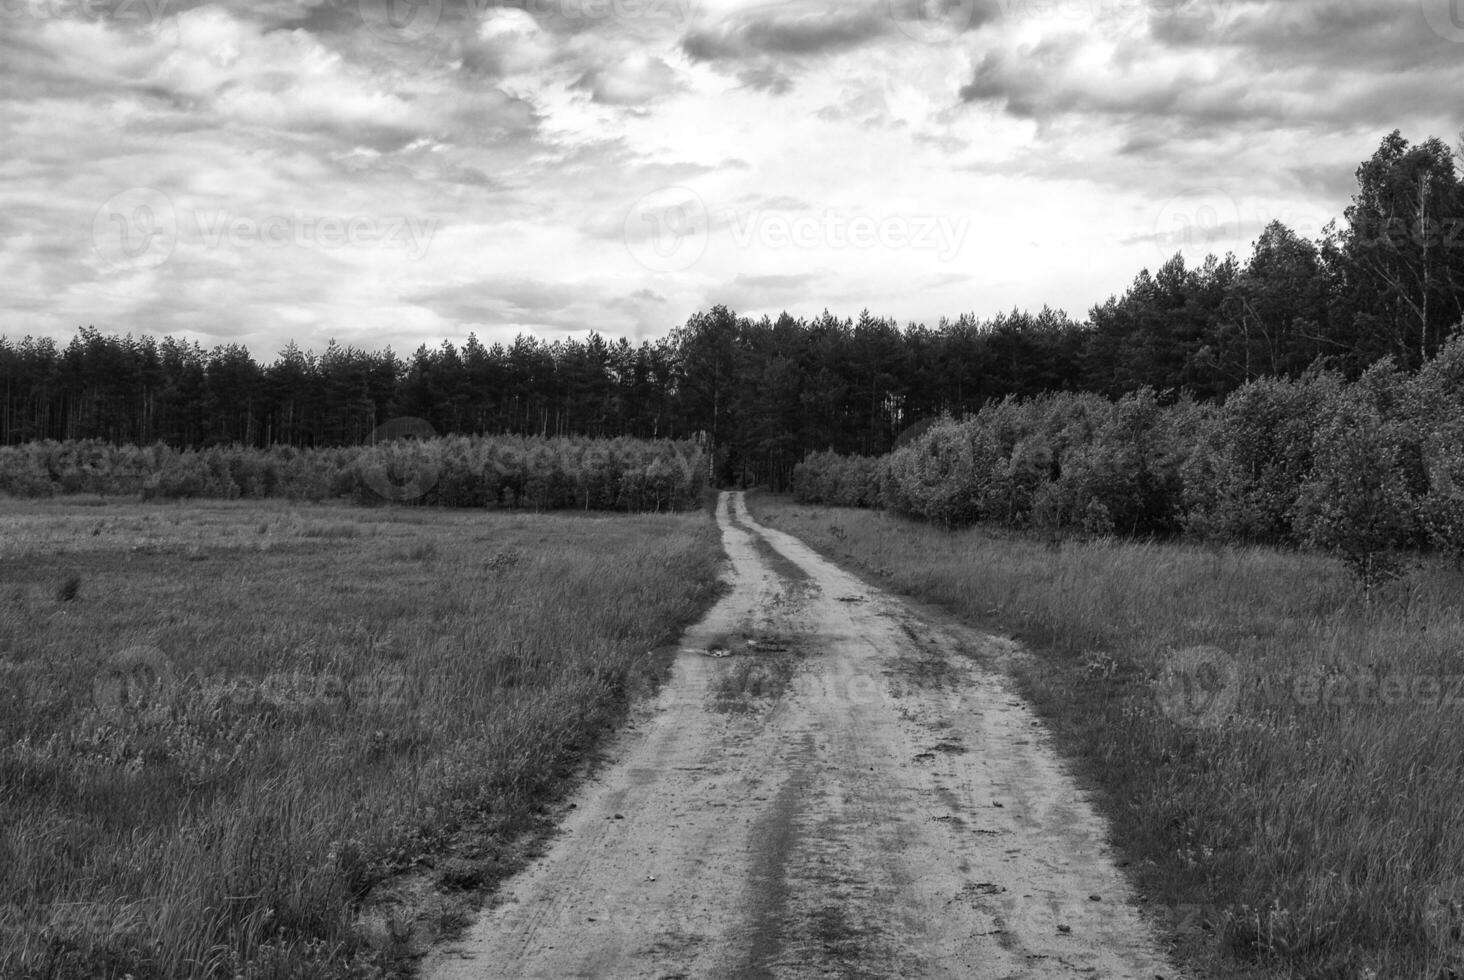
x,y
1370,470
1386,280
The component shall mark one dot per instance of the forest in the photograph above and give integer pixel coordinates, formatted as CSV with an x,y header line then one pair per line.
x,y
1385,280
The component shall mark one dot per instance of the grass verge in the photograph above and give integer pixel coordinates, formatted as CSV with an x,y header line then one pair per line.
x,y
1282,763
229,733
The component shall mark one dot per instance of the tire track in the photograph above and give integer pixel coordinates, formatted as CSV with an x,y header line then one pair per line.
x,y
892,810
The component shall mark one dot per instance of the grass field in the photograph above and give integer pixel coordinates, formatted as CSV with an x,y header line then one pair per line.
x,y
266,740
1282,761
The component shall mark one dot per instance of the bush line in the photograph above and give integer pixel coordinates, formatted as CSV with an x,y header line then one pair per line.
x,y
454,471
1370,471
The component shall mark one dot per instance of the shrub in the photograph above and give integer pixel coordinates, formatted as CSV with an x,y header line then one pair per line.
x,y
1360,498
1367,471
1437,411
455,471
843,481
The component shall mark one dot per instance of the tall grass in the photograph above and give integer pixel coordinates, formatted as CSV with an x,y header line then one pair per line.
x,y
1313,829
251,720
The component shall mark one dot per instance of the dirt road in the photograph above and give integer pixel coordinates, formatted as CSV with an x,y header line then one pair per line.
x,y
828,787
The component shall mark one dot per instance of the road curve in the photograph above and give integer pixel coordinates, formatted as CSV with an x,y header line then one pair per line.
x,y
828,786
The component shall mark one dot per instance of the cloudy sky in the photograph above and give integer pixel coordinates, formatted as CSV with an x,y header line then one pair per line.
x,y
404,171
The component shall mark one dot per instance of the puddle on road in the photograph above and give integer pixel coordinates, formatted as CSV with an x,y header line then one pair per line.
x,y
758,672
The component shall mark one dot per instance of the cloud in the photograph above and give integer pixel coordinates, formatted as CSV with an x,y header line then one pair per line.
x,y
778,283
766,78
1247,65
797,32
497,300
1346,34
766,293
509,42
520,302
774,202
767,46
633,81
525,135
864,104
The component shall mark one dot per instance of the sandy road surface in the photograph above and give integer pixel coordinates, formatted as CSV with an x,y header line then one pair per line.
x,y
848,796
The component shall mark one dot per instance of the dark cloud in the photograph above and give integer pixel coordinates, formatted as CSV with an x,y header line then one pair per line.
x,y
1336,183
1139,144
799,32
1347,34
770,42
766,78
1026,78
1270,64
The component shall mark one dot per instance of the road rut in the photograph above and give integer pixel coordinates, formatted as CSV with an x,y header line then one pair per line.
x,y
829,785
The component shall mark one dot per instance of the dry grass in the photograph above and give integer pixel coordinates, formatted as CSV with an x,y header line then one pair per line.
x,y
1309,825
248,721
